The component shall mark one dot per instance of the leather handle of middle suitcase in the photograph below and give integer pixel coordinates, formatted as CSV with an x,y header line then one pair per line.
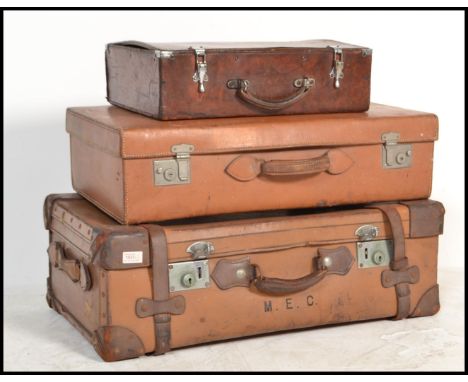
x,y
247,167
303,86
241,273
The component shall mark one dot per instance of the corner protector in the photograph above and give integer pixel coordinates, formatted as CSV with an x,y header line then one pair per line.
x,y
116,343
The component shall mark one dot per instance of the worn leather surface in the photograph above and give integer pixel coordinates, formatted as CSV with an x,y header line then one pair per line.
x,y
164,88
391,278
401,275
427,217
146,307
281,246
124,189
160,277
114,343
228,274
428,304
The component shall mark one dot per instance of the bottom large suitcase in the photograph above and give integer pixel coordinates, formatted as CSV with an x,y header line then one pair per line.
x,y
134,290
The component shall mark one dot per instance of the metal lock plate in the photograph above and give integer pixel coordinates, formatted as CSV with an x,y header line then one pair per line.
x,y
394,154
189,275
376,253
168,172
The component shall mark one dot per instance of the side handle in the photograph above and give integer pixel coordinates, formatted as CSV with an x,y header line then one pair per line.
x,y
74,269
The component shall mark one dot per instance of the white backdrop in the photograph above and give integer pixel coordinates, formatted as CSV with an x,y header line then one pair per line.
x,y
56,59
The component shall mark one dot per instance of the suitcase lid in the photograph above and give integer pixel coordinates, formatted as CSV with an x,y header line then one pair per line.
x,y
116,246
188,47
129,135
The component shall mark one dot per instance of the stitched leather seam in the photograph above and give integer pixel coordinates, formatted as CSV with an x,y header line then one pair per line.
x,y
101,206
94,122
234,150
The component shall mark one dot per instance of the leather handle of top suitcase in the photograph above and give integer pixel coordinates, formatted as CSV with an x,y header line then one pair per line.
x,y
303,86
74,269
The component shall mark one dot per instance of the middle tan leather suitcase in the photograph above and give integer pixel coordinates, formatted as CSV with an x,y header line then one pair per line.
x,y
140,170
132,290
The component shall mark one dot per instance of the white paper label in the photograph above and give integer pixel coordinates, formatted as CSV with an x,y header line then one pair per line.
x,y
135,257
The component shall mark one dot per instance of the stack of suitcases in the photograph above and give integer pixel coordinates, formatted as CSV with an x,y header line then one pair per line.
x,y
239,189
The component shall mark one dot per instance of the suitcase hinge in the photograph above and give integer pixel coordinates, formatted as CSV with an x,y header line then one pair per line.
x,y
338,65
394,154
201,72
169,172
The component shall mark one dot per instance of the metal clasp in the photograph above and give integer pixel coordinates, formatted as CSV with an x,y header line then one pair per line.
x,y
394,154
367,232
338,65
174,171
201,72
200,249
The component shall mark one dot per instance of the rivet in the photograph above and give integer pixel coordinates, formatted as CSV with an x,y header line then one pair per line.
x,y
408,153
240,273
327,261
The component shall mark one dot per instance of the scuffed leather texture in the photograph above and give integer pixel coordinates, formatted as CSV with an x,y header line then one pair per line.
x,y
246,167
146,307
282,246
104,139
392,278
163,88
115,343
233,273
427,217
428,304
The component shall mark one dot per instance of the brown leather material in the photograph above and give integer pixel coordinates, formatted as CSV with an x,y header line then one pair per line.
x,y
247,167
161,85
115,343
428,304
392,278
329,261
49,202
399,263
244,94
427,217
229,274
114,153
159,269
336,261
282,245
233,273
146,307
59,260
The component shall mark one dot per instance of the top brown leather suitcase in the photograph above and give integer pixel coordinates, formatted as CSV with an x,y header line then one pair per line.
x,y
205,80
141,170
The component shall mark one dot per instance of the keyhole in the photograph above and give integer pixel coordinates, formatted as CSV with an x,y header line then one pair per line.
x,y
366,255
199,272
188,280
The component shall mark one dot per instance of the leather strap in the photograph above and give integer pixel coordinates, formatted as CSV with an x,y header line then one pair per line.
x,y
162,321
399,263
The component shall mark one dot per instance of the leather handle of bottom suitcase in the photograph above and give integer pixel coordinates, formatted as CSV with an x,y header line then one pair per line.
x,y
74,269
228,274
303,86
248,167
